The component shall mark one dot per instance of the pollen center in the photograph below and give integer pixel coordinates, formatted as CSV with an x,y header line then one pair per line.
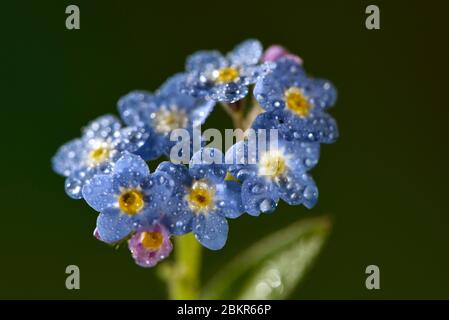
x,y
297,102
272,164
201,197
226,74
131,202
166,120
98,155
151,240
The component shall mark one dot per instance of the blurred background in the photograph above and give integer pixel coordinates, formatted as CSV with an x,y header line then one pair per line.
x,y
385,182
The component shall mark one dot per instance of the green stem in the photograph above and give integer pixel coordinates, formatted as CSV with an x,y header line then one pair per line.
x,y
183,276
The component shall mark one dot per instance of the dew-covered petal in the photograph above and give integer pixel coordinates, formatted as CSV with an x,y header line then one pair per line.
x,y
229,199
302,156
252,73
101,128
241,160
229,92
178,172
270,90
298,188
178,218
130,139
171,94
154,146
131,167
246,53
211,230
99,192
69,157
201,111
208,163
159,187
205,61
134,108
321,93
113,226
73,186
259,196
317,127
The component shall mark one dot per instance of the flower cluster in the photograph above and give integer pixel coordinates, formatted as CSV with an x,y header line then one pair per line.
x,y
107,166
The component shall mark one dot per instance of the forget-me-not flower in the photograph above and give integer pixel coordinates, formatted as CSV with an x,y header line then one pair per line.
x,y
296,104
203,198
103,141
159,114
279,171
128,199
225,78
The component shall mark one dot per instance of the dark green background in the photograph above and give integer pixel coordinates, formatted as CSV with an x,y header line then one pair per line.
x,y
385,182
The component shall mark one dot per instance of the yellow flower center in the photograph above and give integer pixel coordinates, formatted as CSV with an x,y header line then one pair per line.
x,y
297,102
131,202
226,74
98,155
151,240
272,164
201,197
166,121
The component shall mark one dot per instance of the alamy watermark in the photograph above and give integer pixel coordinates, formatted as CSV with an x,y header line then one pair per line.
x,y
188,142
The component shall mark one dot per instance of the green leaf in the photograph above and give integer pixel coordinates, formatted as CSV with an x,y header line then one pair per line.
x,y
274,266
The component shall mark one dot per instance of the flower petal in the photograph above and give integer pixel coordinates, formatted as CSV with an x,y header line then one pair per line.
x,y
321,93
101,128
178,172
211,230
114,226
130,168
259,196
69,157
205,61
178,219
208,163
246,53
229,92
134,108
303,156
229,202
99,192
299,189
130,139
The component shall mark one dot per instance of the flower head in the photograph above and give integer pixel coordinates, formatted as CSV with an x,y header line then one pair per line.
x,y
225,78
150,245
103,141
128,199
203,198
296,104
160,114
280,171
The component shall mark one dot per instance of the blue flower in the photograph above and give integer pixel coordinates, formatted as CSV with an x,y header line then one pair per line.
x,y
160,114
128,199
296,104
279,171
102,143
203,198
214,76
